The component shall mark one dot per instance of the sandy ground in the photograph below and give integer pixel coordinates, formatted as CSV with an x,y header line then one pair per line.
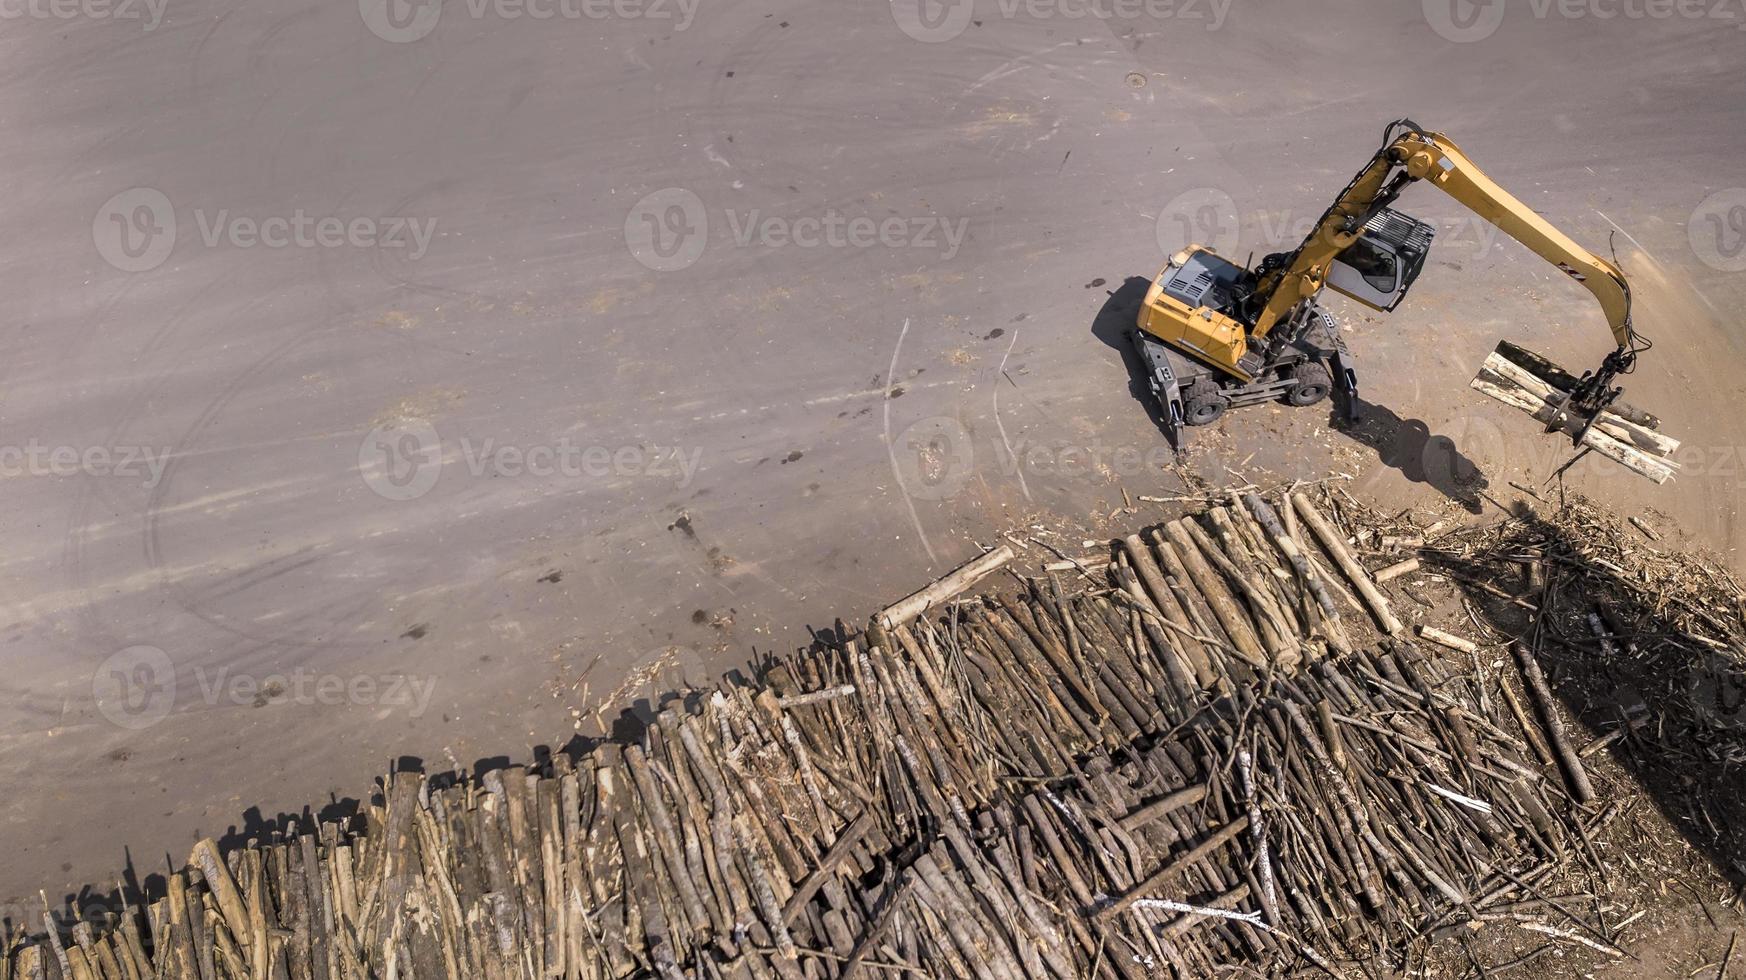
x,y
599,350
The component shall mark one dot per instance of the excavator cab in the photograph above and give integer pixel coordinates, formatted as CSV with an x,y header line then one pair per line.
x,y
1379,268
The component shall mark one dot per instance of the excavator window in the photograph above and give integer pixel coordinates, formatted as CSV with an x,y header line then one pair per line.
x,y
1378,267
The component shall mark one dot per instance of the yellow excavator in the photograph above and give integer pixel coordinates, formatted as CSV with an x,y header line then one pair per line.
x,y
1214,335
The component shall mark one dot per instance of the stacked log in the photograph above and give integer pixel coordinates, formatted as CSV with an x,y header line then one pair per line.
x,y
1187,763
1525,381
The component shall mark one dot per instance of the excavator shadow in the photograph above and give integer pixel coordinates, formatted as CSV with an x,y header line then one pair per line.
x,y
1409,447
1114,326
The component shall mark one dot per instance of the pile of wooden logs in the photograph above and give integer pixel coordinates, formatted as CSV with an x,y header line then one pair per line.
x,y
1646,642
1219,750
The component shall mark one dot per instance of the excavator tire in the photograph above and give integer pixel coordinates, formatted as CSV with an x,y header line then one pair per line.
x,y
1203,405
1313,384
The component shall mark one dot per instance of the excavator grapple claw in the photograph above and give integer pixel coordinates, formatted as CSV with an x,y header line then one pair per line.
x,y
1565,403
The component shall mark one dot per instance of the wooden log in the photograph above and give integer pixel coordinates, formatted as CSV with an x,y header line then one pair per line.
x,y
949,585
1224,606
260,913
669,852
1640,437
1287,546
1056,656
404,897
642,882
814,697
1641,450
1182,681
1159,808
1177,865
1397,570
1354,572
1597,438
218,878
1563,380
1279,631
1449,640
458,953
1581,790
550,823
729,836
522,825
315,908
1164,602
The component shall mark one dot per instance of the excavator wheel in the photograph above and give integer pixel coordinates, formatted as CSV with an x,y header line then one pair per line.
x,y
1203,404
1313,384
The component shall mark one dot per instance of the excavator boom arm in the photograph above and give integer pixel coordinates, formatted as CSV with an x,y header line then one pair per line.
x,y
1420,155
